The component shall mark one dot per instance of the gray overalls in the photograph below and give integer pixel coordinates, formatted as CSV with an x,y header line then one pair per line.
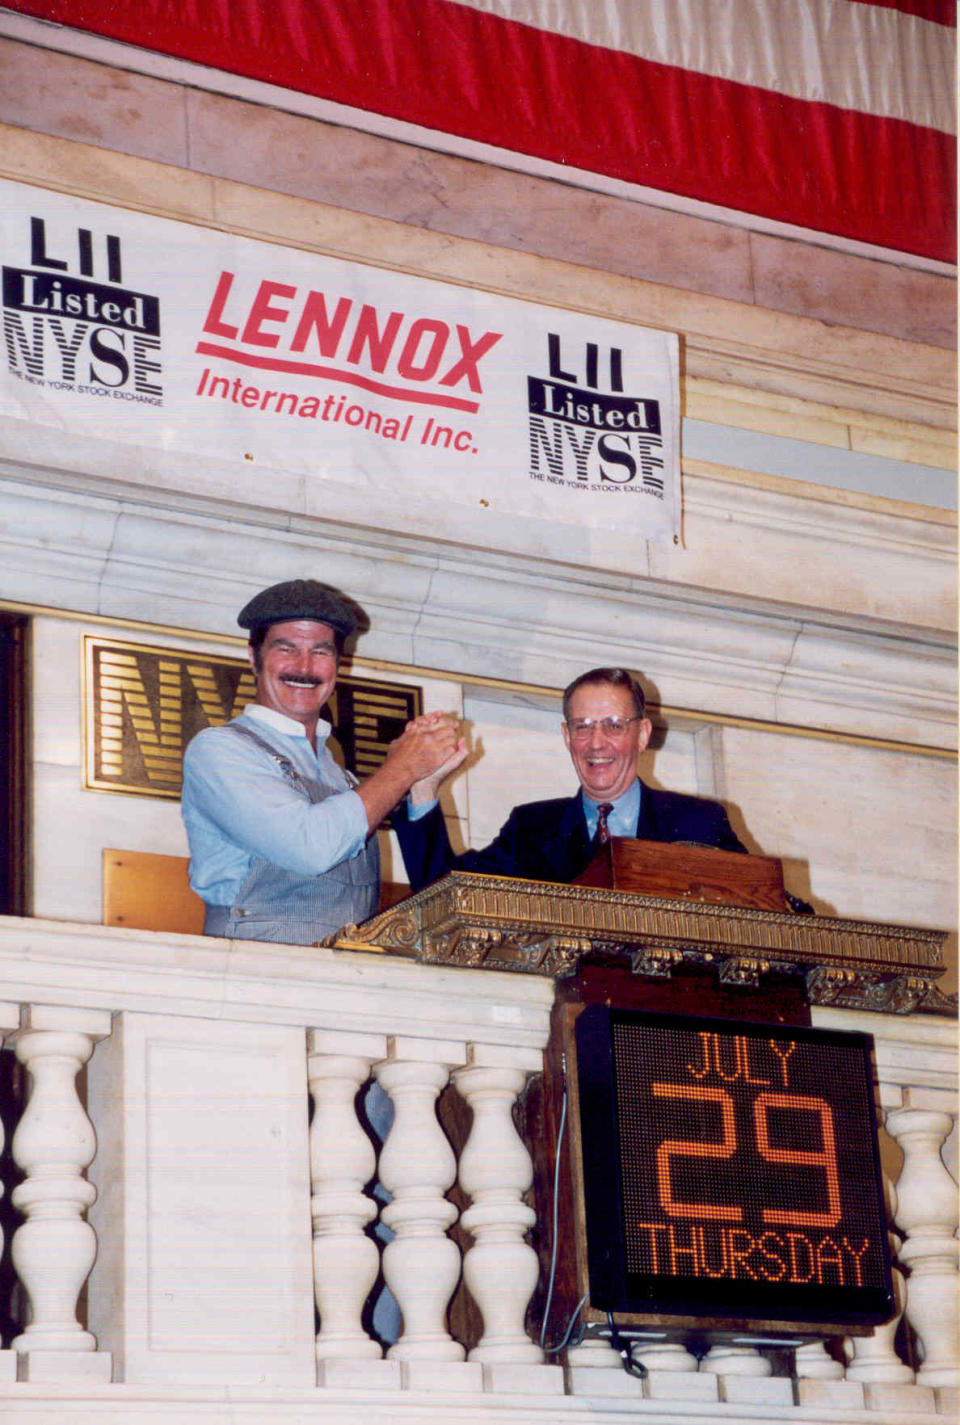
x,y
282,906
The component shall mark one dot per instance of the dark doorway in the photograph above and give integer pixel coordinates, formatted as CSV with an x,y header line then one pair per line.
x,y
14,900
14,858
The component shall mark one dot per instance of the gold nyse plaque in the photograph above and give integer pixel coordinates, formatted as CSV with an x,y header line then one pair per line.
x,y
143,704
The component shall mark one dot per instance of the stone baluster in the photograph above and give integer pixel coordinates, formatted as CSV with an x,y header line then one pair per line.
x,y
595,1369
927,1214
671,1357
417,1166
500,1269
873,1359
814,1362
736,1361
9,1019
820,1382
54,1249
342,1160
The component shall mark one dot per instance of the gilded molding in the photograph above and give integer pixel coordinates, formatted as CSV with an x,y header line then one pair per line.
x,y
533,927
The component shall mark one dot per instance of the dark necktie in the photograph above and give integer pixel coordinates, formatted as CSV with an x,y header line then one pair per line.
x,y
603,831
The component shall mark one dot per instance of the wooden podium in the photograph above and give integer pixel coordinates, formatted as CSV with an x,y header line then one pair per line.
x,y
687,871
701,874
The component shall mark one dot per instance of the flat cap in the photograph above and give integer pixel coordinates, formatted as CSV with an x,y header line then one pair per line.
x,y
298,599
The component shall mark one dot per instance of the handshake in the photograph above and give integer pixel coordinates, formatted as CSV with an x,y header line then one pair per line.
x,y
429,749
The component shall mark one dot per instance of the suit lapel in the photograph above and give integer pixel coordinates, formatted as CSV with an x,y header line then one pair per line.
x,y
572,848
648,822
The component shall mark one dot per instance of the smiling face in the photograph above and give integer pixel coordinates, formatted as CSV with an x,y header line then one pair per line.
x,y
605,764
296,668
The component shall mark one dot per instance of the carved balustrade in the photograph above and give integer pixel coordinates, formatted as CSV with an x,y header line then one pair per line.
x,y
199,1118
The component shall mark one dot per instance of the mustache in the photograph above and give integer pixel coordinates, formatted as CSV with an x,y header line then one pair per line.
x,y
300,678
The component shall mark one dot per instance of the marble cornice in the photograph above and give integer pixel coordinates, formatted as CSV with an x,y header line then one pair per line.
x,y
830,552
521,619
775,501
913,1052
90,967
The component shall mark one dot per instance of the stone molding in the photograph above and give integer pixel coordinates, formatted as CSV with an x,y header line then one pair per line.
x,y
519,619
915,1054
44,962
773,502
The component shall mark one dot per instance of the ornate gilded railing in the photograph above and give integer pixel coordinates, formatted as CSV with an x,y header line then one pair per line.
x,y
541,928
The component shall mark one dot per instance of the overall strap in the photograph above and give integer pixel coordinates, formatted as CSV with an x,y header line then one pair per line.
x,y
286,766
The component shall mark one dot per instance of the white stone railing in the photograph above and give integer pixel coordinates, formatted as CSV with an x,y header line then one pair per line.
x,y
185,1197
917,1072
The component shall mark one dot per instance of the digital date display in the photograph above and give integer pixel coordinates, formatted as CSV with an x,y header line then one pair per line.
x,y
730,1170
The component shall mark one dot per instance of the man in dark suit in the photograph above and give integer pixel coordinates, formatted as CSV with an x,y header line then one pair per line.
x,y
605,728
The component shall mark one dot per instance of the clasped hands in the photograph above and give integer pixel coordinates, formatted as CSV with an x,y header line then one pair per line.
x,y
432,747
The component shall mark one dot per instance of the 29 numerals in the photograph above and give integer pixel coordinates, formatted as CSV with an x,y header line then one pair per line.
x,y
823,1158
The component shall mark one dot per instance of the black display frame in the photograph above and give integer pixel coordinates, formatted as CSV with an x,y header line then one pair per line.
x,y
734,1300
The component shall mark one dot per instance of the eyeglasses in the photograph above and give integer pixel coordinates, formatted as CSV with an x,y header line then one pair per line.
x,y
582,727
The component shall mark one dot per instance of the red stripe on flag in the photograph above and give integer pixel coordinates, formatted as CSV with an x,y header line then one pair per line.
x,y
448,67
941,12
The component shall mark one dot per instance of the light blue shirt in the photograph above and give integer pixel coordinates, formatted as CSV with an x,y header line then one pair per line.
x,y
622,821
237,805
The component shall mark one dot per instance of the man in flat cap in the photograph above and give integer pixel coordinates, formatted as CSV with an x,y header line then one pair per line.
x,y
281,838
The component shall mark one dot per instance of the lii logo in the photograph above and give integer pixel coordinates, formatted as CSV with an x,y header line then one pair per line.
x,y
70,323
585,432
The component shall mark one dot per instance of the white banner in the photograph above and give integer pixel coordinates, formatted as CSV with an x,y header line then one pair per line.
x,y
143,330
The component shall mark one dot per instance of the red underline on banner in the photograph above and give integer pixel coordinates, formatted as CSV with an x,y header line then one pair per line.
x,y
331,373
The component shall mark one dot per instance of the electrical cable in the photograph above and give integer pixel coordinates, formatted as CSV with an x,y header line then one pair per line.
x,y
625,1351
555,1248
570,1332
556,1218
